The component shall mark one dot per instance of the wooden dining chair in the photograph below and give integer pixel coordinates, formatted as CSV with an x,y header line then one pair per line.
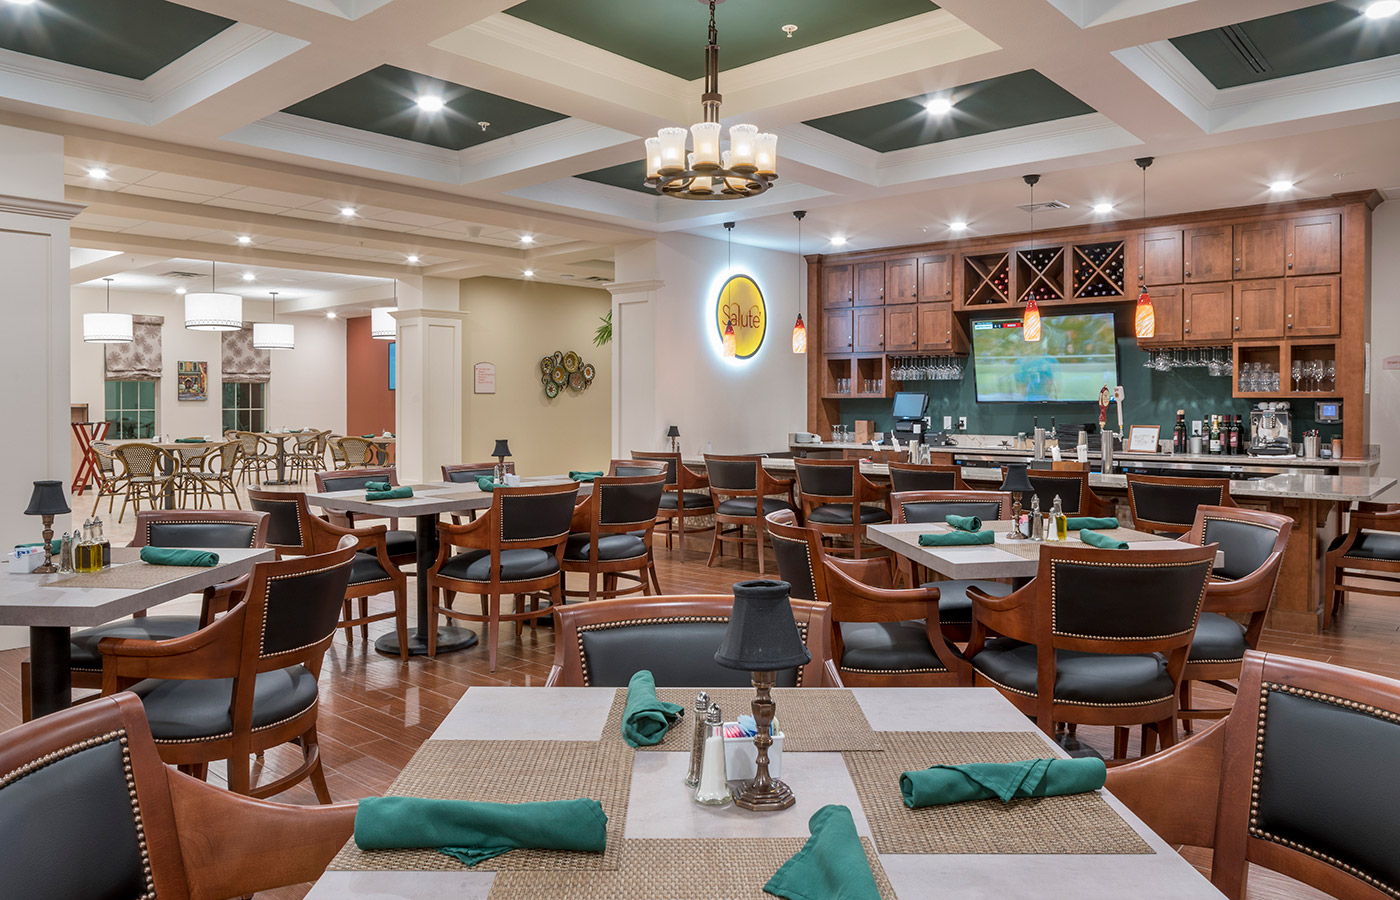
x,y
611,533
1099,637
468,473
403,544
603,644
906,477
1076,497
516,548
1300,778
247,681
742,493
838,501
687,496
88,809
1364,560
1165,505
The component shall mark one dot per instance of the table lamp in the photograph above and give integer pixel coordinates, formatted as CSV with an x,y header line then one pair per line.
x,y
674,433
501,451
47,501
1018,483
762,638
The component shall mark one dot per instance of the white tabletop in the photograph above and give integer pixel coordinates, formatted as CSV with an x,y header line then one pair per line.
x,y
658,805
430,499
25,601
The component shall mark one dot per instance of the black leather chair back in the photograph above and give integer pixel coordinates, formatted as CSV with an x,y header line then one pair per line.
x,y
1174,504
795,565
826,481
907,480
1126,601
283,521
304,609
1246,545
1048,487
670,461
533,517
628,504
733,474
929,511
70,827
210,533
678,653
470,475
351,480
623,470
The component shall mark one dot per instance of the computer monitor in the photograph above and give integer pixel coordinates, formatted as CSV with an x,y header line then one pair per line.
x,y
910,405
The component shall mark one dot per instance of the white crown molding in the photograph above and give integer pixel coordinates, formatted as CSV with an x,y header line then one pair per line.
x,y
31,206
345,9
634,287
1088,13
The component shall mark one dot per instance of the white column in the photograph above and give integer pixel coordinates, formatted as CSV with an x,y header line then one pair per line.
x,y
634,368
429,396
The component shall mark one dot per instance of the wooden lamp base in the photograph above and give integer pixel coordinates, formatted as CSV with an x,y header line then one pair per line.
x,y
764,793
48,567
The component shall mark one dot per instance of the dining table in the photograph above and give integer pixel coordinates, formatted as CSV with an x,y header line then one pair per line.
x,y
843,746
52,605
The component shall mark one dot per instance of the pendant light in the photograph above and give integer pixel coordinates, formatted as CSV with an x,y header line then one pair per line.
x,y
382,326
274,335
731,341
1144,316
211,310
107,327
1030,318
799,330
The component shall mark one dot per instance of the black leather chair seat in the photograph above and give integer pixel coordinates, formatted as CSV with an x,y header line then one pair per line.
x,y
610,547
401,543
1098,678
744,506
516,565
840,514
1218,639
888,647
365,568
954,606
1378,545
83,644
181,710
669,500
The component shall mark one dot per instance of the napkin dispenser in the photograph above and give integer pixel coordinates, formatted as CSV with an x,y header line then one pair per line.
x,y
741,756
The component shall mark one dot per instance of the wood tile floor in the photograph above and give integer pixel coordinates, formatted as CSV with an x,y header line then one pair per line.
x,y
376,711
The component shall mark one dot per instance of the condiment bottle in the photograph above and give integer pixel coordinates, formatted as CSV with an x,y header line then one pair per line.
x,y
697,740
65,554
102,542
714,778
1036,523
1061,520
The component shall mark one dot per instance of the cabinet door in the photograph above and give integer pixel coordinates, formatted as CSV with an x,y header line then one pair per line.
x,y
1315,245
870,284
1259,250
1208,254
935,326
837,290
935,278
1313,305
1166,308
836,331
1160,258
901,327
1259,309
869,329
1207,313
901,281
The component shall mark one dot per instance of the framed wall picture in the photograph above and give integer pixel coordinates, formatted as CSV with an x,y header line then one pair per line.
x,y
1143,438
191,380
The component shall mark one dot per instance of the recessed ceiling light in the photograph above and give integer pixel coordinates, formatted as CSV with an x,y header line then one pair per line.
x,y
245,239
838,240
96,171
939,106
529,273
1279,187
330,314
249,276
957,226
413,259
1102,208
20,2
430,103
1383,9
527,239
348,211
179,290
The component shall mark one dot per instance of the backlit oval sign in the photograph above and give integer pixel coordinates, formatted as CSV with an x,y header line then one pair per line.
x,y
741,303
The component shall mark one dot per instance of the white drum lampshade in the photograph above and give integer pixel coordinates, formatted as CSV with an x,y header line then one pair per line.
x,y
382,326
274,336
107,327
210,311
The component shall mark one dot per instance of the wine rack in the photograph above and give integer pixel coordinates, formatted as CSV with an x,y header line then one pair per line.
x,y
1097,271
988,279
1040,274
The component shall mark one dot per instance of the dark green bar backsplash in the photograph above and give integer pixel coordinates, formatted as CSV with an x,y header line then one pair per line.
x,y
1152,398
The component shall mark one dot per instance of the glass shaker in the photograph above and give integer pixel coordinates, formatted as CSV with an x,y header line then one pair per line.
x,y
714,777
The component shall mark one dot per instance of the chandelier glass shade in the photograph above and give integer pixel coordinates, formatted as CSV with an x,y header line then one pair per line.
x,y
107,327
211,310
382,326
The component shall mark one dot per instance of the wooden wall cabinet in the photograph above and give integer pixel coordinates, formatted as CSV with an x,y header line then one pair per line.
x,y
1207,312
1259,250
1259,309
936,278
870,284
838,289
838,334
1159,261
901,281
902,328
1314,245
938,330
1313,306
1207,254
869,329
1166,310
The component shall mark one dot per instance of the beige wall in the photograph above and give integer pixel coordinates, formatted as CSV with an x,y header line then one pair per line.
x,y
513,324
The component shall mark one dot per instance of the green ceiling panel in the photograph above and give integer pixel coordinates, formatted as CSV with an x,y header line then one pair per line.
x,y
1304,40
383,101
630,175
1007,101
134,38
670,34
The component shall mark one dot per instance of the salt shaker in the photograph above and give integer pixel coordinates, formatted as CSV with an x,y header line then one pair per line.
x,y
697,740
714,779
65,554
1036,523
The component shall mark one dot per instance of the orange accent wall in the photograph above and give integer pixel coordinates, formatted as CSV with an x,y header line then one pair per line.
x,y
369,404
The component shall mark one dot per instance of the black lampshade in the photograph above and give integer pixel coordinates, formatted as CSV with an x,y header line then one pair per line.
x,y
673,431
1016,479
47,500
762,635
502,448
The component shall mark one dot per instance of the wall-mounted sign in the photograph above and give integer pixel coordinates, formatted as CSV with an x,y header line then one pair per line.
x,y
484,381
741,304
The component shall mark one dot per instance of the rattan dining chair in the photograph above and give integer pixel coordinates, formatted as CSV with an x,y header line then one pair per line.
x,y
259,456
141,478
308,454
105,476
355,452
211,475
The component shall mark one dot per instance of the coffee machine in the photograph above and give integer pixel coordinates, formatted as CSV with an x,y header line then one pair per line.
x,y
1271,429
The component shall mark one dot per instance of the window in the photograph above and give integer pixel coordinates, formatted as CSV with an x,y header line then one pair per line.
x,y
131,408
244,407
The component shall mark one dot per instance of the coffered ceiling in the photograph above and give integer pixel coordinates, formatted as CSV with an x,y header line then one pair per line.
x,y
269,127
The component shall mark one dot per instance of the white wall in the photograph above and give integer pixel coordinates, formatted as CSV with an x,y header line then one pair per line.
x,y
670,367
307,387
1385,339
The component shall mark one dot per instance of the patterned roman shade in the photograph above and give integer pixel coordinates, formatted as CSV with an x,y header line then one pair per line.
x,y
139,360
242,362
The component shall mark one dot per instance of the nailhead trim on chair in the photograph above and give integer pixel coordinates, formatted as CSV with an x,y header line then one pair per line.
x,y
1112,565
178,521
628,623
262,632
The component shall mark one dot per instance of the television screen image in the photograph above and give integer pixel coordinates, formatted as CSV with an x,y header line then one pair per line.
x,y
1075,357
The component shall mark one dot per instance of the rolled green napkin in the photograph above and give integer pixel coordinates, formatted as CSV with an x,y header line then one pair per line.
x,y
398,493
189,440
645,718
474,832
487,483
378,486
964,523
366,435
957,538
1079,523
585,476
1103,542
938,785
178,556
832,864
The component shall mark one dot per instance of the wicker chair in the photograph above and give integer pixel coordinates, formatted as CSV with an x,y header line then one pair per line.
x,y
259,457
308,454
109,483
211,475
141,478
355,452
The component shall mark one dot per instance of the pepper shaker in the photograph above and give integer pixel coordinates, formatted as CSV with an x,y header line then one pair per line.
x,y
697,740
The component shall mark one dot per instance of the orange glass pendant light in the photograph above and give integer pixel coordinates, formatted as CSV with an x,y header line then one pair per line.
x,y
1030,321
799,336
799,329
1145,317
731,343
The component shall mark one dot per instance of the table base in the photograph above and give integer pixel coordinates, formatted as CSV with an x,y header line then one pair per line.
x,y
449,639
50,670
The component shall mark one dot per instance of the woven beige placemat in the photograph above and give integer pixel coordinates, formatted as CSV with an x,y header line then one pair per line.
x,y
126,577
674,869
812,720
1079,823
508,772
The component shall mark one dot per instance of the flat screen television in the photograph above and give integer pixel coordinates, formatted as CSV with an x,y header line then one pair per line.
x,y
1075,357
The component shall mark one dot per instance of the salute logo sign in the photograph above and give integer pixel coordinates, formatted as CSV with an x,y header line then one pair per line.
x,y
741,308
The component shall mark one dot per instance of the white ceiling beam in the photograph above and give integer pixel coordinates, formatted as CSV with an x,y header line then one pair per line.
x,y
253,256
110,266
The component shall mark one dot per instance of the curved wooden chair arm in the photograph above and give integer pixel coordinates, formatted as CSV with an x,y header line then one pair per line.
x,y
1176,791
999,604
583,513
211,652
874,572
879,594
1012,616
222,597
687,479
1386,519
367,537
473,534
873,489
1098,506
1243,595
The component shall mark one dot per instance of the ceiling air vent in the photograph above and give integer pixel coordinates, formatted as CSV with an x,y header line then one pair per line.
x,y
598,278
177,274
1042,207
1244,50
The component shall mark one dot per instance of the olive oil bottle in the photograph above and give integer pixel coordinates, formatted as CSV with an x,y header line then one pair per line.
x,y
87,555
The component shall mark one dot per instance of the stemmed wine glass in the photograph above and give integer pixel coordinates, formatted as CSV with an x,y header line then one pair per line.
x,y
1297,375
1332,374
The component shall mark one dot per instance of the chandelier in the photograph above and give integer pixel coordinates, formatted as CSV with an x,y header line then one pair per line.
x,y
746,169
213,310
274,335
107,327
